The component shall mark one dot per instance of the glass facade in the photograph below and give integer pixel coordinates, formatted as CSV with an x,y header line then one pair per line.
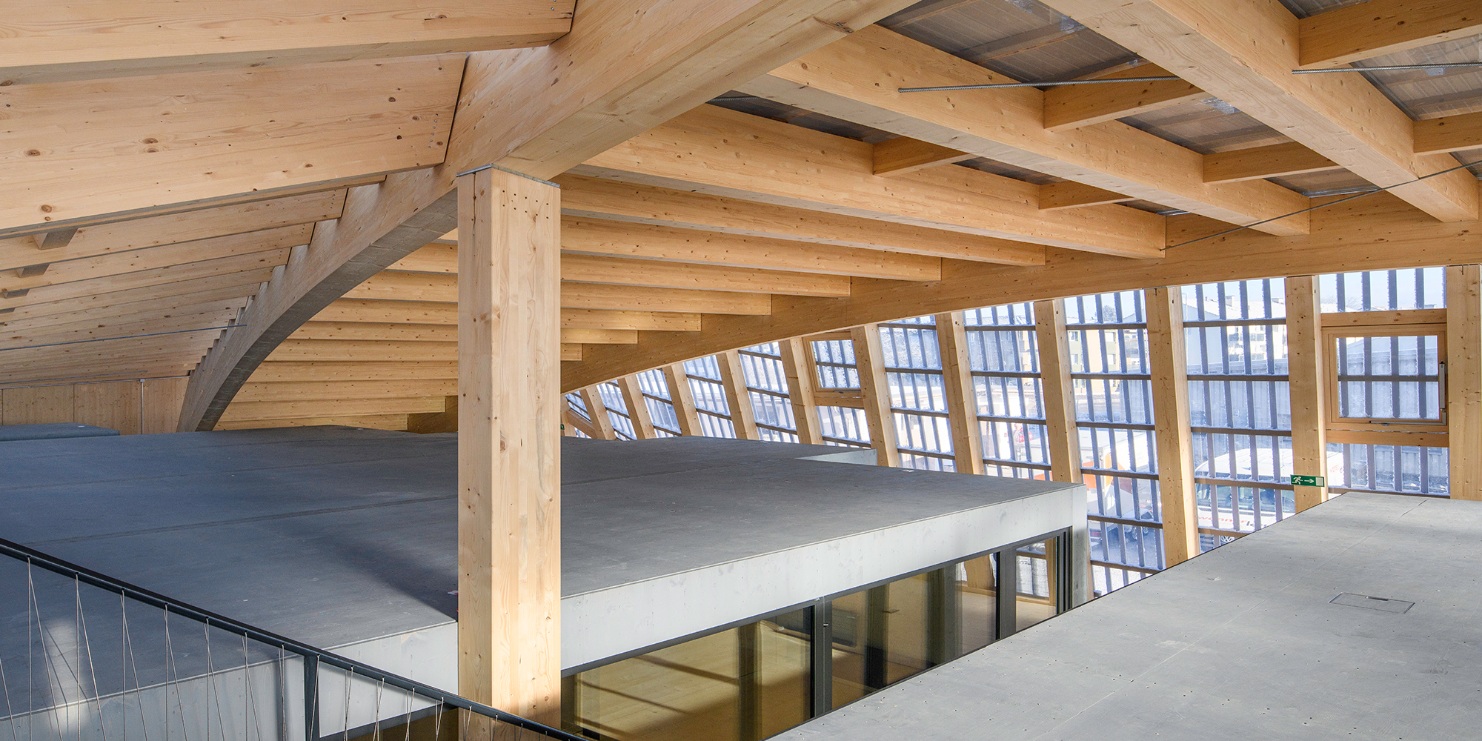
x,y
1384,374
1239,406
763,677
1108,343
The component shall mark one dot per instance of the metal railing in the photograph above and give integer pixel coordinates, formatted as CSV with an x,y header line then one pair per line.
x,y
80,660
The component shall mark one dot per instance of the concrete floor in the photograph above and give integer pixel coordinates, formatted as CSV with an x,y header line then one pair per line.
x,y
336,536
1243,642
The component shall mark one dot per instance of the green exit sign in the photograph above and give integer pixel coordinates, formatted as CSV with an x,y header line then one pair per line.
x,y
1309,481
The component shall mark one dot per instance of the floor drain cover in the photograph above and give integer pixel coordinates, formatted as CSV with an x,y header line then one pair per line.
x,y
1382,604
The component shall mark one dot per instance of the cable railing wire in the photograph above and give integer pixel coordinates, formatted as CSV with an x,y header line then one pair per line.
x,y
80,708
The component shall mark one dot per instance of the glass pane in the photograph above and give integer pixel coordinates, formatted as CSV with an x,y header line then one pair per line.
x,y
977,601
1390,378
746,683
1035,589
681,692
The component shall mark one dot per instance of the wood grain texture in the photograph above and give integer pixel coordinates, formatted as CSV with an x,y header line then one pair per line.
x,y
1174,441
1464,379
509,465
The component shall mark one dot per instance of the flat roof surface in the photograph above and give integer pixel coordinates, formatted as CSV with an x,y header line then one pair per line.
x,y
338,535
1242,642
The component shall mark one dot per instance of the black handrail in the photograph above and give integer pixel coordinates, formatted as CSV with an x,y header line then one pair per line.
x,y
312,656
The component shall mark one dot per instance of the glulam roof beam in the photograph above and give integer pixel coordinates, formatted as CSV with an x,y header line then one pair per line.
x,y
904,154
596,198
616,239
725,153
1244,53
1376,28
857,79
1070,194
99,38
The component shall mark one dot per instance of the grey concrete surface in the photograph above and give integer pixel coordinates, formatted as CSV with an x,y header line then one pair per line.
x,y
13,433
1240,643
342,537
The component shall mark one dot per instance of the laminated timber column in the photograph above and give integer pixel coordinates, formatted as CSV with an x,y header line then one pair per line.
x,y
1167,363
874,387
1307,387
509,468
1058,393
962,397
802,381
1464,379
591,398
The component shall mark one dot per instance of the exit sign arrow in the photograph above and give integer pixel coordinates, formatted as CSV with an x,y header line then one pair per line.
x,y
1309,481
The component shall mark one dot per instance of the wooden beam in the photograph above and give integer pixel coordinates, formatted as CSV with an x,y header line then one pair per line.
x,y
1464,379
797,363
1063,436
904,154
1377,28
388,115
857,79
148,300
1306,358
591,397
434,422
1373,233
255,266
312,390
682,397
157,258
961,392
628,298
875,389
1273,161
618,239
629,320
383,370
1072,107
662,274
626,65
643,424
1174,441
1070,194
1449,133
93,40
93,331
599,337
570,419
509,465
1244,53
192,226
720,152
738,398
642,204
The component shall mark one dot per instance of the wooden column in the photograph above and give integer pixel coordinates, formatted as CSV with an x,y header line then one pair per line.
x,y
509,447
962,396
682,396
1059,394
1308,387
643,424
591,397
733,378
1167,364
875,390
802,382
1464,379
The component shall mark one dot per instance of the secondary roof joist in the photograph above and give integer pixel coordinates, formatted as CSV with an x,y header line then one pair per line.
x,y
735,155
1244,53
857,79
